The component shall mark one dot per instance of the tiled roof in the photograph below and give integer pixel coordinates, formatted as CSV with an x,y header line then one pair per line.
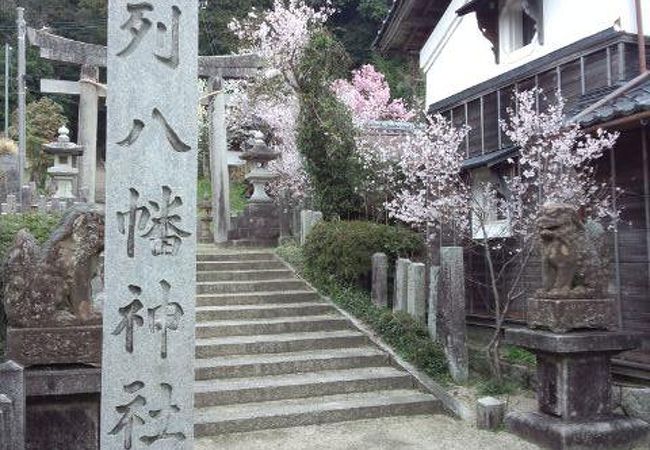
x,y
635,100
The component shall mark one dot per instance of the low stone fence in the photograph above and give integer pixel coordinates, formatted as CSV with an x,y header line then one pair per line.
x,y
32,201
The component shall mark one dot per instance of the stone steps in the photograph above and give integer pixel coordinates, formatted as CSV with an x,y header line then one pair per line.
x,y
274,325
270,352
257,298
298,385
244,275
240,366
313,410
240,265
227,287
229,312
278,343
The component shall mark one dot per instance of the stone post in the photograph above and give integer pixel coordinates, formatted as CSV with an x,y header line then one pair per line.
x,y
379,293
453,329
22,92
87,131
415,292
12,385
219,162
490,413
434,287
150,253
401,284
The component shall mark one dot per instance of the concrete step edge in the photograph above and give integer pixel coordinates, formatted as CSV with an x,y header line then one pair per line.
x,y
285,337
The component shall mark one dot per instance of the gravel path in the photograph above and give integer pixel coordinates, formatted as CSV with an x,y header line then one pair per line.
x,y
393,433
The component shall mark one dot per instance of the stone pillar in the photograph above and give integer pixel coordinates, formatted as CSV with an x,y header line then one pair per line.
x,y
415,292
453,329
147,389
87,132
379,293
401,284
219,162
12,386
434,286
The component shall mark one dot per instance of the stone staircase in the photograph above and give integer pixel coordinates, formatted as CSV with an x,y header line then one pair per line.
x,y
272,353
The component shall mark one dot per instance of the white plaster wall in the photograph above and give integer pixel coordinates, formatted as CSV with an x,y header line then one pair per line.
x,y
457,56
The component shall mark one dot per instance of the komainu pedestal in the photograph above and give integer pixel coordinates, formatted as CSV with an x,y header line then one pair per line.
x,y
563,315
571,321
574,391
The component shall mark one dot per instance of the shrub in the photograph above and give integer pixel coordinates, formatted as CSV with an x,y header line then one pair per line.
x,y
343,250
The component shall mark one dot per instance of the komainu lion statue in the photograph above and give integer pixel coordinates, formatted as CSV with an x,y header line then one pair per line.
x,y
574,261
50,285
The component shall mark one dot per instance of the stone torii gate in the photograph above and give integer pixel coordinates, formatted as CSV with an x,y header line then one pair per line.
x,y
218,69
91,57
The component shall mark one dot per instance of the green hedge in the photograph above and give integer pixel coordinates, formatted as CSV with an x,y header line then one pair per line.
x,y
343,250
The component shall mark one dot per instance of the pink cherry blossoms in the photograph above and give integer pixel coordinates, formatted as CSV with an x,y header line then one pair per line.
x,y
368,97
432,191
555,164
280,34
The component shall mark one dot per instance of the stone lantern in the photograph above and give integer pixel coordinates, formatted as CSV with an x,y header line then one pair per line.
x,y
260,155
63,173
259,224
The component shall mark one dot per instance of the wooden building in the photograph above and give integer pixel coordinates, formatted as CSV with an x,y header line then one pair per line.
x,y
476,54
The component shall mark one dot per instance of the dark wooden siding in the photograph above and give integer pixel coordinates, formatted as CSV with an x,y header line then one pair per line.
x,y
475,133
547,81
596,70
571,82
491,122
458,119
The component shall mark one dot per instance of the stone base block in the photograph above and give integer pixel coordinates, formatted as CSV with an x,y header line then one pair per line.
x,y
608,433
64,345
563,315
63,422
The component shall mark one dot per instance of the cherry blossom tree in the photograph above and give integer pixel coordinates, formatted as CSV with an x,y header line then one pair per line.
x,y
555,164
270,101
368,97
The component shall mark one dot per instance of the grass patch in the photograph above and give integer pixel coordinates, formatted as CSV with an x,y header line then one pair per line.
x,y
238,200
517,355
407,337
492,387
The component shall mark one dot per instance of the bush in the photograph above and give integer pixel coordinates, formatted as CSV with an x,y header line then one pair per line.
x,y
343,250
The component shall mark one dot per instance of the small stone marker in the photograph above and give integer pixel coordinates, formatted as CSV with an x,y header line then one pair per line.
x,y
401,284
453,329
6,420
415,294
308,219
490,413
12,386
150,257
379,293
434,286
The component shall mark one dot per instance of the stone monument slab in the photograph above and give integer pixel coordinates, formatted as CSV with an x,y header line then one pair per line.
x,y
415,292
150,258
12,385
